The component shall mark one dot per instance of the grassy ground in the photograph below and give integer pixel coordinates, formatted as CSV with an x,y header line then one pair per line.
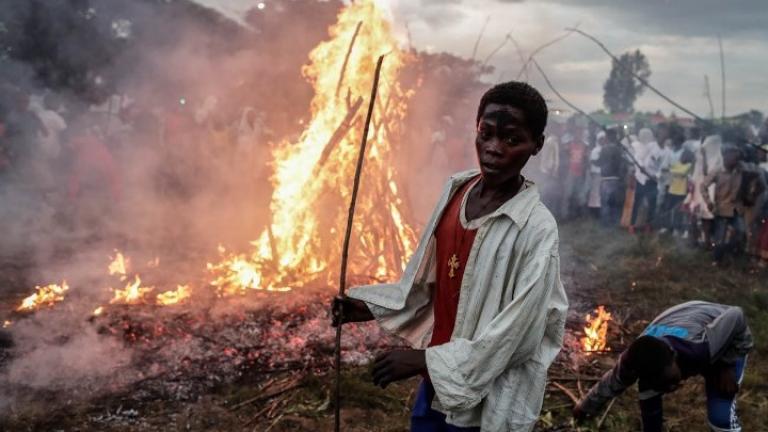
x,y
636,277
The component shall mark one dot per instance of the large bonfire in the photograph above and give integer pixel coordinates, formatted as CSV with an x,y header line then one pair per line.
x,y
301,246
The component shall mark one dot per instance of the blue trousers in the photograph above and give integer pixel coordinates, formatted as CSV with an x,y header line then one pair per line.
x,y
723,244
647,192
721,409
610,209
425,419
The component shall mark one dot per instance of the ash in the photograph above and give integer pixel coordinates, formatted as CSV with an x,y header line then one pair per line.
x,y
180,353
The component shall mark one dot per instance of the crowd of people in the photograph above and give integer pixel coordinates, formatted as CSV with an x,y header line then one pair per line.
x,y
85,164
701,183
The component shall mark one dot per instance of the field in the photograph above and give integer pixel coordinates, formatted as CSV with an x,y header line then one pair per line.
x,y
634,277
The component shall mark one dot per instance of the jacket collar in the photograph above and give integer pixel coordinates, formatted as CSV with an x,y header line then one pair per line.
x,y
518,208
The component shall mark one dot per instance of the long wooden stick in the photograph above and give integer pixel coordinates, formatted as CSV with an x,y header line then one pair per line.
x,y
592,119
524,68
347,236
567,392
605,414
638,77
480,37
722,75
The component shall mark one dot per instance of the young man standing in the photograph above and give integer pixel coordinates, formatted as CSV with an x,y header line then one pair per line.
x,y
694,338
481,300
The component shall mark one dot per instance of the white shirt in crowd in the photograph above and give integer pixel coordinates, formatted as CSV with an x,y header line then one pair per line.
x,y
50,144
648,154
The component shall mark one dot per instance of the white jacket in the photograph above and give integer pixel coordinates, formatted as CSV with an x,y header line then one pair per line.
x,y
510,319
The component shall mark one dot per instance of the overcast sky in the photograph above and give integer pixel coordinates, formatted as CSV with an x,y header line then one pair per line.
x,y
679,37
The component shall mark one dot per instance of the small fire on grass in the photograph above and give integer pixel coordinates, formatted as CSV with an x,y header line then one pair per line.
x,y
45,296
596,330
174,297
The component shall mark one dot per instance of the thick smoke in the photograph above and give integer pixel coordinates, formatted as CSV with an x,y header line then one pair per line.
x,y
170,112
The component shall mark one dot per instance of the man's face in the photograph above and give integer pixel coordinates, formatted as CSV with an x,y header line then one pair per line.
x,y
503,143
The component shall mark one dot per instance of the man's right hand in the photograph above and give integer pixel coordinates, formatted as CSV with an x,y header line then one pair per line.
x,y
345,310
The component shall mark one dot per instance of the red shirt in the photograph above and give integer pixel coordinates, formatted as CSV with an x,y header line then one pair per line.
x,y
452,239
578,152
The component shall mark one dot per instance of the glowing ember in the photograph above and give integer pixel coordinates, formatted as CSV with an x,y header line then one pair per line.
x,y
313,176
596,331
132,294
45,296
7,324
181,293
98,311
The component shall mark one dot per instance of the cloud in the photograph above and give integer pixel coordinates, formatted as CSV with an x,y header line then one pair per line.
x,y
681,17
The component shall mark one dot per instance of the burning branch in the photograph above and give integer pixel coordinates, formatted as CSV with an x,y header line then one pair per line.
x,y
346,58
339,133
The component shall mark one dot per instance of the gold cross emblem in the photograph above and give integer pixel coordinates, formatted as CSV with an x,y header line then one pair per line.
x,y
453,265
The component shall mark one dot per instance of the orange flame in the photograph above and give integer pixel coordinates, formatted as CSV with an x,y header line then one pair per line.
x,y
312,176
45,296
596,331
133,293
167,298
312,181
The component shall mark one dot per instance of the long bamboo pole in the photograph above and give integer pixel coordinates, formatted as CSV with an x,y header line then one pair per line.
x,y
638,77
592,119
722,75
347,236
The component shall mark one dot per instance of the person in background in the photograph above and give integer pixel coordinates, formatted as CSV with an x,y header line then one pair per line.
x,y
549,165
23,129
575,168
612,167
762,241
708,159
593,200
678,165
690,339
94,184
729,203
649,157
55,125
752,193
5,160
667,151
49,143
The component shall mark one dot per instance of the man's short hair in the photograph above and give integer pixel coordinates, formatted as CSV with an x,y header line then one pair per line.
x,y
649,356
522,96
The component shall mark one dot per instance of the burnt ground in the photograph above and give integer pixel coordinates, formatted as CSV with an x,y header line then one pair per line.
x,y
636,277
